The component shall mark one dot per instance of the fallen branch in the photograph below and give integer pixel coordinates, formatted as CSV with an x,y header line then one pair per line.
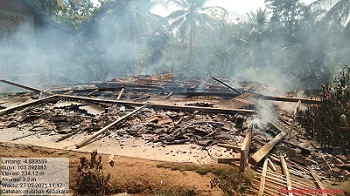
x,y
105,129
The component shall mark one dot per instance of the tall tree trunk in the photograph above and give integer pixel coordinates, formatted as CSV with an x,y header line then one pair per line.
x,y
190,56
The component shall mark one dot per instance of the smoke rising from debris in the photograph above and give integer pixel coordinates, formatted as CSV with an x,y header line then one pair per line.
x,y
110,46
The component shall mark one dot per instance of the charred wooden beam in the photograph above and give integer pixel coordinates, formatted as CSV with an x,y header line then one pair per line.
x,y
21,85
228,146
306,150
262,152
34,102
106,128
227,85
288,99
227,160
160,106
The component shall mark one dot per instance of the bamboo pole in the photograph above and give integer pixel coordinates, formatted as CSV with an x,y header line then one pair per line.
x,y
227,85
263,177
21,85
318,182
120,94
26,104
286,174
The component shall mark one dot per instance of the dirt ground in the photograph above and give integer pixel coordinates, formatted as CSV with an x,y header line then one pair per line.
x,y
132,175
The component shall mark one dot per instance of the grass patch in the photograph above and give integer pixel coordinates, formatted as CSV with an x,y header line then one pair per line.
x,y
227,177
345,186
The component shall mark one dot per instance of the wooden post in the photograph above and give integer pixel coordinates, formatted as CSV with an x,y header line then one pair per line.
x,y
245,148
104,129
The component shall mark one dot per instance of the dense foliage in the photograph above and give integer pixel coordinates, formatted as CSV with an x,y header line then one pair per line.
x,y
287,44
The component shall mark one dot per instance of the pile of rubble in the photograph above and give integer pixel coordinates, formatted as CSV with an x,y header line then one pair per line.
x,y
235,116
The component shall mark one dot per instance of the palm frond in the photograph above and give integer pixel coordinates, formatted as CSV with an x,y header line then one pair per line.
x,y
323,4
176,14
339,12
179,3
197,3
177,23
215,8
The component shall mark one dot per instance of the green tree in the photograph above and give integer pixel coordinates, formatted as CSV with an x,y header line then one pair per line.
x,y
338,11
157,44
189,16
286,15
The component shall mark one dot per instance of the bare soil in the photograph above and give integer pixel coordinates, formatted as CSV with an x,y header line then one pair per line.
x,y
132,175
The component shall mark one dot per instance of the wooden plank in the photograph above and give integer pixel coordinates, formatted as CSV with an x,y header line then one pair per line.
x,y
286,174
262,152
104,129
21,85
230,146
263,176
228,160
288,99
298,146
246,148
161,106
318,182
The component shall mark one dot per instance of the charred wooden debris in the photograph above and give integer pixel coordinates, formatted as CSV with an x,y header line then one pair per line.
x,y
289,137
